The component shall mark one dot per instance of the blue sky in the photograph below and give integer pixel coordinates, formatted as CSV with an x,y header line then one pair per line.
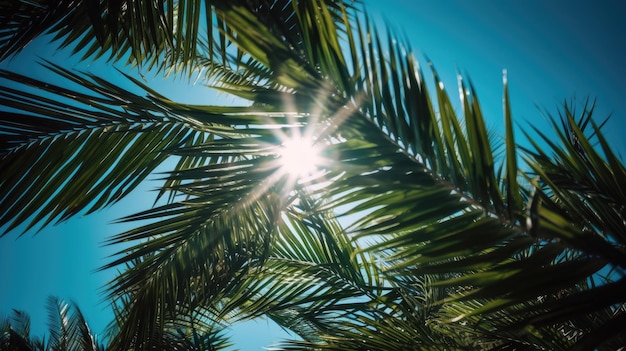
x,y
552,50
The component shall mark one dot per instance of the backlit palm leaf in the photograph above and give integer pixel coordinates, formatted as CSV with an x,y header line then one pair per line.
x,y
313,274
143,33
106,141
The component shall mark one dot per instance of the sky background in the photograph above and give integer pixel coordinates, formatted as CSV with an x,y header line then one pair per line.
x,y
552,50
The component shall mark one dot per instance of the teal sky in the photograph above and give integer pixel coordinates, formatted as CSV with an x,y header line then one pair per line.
x,y
552,50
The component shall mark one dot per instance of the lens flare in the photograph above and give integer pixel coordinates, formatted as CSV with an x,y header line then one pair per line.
x,y
299,157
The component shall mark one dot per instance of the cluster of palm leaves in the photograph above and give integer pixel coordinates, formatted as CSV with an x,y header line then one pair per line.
x,y
68,330
418,229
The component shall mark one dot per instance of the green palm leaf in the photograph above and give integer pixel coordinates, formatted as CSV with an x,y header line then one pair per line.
x,y
71,172
144,33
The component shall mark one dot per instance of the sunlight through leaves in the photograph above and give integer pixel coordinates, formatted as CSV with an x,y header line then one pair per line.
x,y
299,157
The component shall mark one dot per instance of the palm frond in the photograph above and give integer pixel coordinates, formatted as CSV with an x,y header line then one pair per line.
x,y
68,328
313,267
15,333
69,171
163,35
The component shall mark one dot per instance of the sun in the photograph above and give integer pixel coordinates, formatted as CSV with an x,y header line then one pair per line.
x,y
299,156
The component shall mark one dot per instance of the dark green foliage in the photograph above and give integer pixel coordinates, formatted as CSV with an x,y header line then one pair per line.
x,y
441,242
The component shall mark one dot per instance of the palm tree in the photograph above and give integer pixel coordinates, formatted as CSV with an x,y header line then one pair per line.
x,y
454,245
68,330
